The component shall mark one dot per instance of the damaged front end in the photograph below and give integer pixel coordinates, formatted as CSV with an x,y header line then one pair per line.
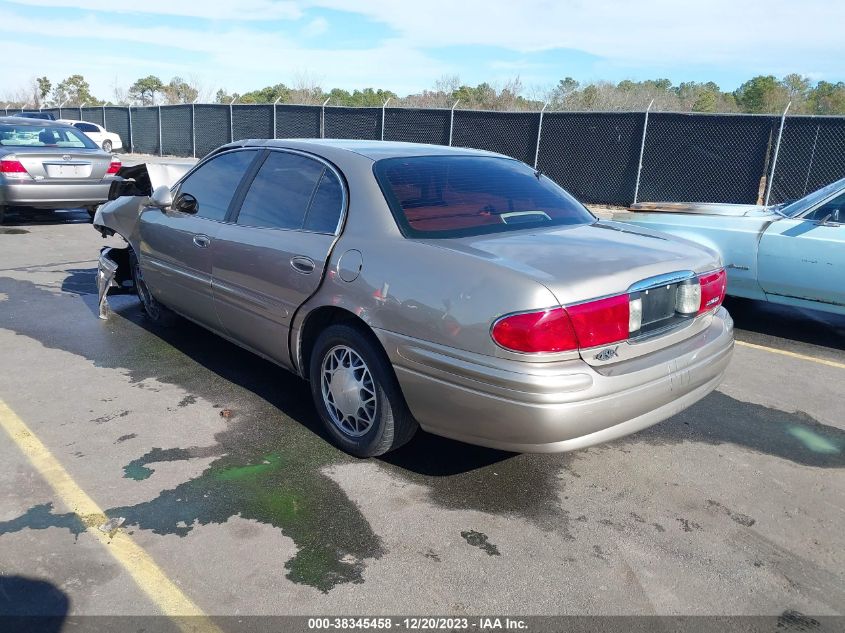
x,y
114,274
121,216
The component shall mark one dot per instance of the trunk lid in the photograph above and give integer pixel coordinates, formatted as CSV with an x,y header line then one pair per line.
x,y
586,262
65,164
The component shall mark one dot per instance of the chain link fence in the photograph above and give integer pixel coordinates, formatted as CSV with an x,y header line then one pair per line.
x,y
706,158
610,158
812,154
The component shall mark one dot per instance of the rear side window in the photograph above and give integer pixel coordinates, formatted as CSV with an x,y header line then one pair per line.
x,y
324,212
86,127
291,191
213,184
51,136
452,196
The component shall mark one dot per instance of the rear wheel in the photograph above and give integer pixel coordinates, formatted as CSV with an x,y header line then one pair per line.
x,y
356,393
107,145
156,312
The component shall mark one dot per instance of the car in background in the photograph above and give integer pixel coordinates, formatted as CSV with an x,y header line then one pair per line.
x,y
454,289
791,253
109,141
46,116
48,165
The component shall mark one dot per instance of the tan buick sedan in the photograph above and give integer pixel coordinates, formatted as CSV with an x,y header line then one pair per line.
x,y
417,285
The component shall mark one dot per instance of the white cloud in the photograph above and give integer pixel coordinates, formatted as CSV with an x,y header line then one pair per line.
x,y
316,27
234,57
210,9
656,36
748,33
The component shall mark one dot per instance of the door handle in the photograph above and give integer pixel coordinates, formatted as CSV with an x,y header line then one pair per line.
x,y
302,264
202,241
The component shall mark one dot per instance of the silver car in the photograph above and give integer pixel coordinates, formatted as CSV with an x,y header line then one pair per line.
x,y
416,285
49,165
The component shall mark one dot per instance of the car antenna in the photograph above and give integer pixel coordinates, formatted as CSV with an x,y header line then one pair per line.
x,y
538,173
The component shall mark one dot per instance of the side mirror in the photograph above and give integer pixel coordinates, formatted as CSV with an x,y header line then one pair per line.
x,y
833,218
162,198
186,203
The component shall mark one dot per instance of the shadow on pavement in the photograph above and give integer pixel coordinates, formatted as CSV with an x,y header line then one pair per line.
x,y
28,605
795,324
21,217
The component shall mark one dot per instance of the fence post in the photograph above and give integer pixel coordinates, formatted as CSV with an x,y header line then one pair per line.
x,y
194,128
539,132
60,107
775,157
274,116
80,109
452,120
383,106
160,148
232,121
105,127
131,135
323,119
642,151
812,158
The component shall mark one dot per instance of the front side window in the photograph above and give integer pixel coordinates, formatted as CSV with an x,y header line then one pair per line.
x,y
282,192
213,183
452,196
833,210
34,136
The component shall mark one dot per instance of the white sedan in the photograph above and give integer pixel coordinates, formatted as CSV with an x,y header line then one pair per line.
x,y
107,140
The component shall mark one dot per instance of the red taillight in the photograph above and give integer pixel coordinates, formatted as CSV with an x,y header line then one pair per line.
x,y
114,167
544,331
563,329
600,322
593,323
11,167
713,287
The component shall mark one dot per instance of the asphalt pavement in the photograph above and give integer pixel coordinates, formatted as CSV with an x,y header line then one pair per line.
x,y
215,462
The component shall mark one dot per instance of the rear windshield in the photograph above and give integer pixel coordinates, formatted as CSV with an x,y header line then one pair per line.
x,y
453,196
48,136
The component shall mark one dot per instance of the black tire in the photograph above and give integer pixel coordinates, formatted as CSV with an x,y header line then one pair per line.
x,y
153,310
92,211
107,145
392,424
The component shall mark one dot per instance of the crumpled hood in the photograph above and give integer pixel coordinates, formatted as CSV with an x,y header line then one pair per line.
x,y
122,215
583,262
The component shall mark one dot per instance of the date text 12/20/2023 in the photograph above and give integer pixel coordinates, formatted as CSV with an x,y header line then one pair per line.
x,y
419,623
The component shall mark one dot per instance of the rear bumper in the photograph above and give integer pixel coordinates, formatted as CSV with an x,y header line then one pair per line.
x,y
55,195
554,407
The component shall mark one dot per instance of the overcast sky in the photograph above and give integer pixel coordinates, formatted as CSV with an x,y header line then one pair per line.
x,y
406,46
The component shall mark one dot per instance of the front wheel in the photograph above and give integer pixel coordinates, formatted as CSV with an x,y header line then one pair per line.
x,y
156,312
356,393
107,146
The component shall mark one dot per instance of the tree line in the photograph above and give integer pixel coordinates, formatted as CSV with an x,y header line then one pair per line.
x,y
764,94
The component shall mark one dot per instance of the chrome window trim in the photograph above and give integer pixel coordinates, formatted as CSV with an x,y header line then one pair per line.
x,y
343,187
177,186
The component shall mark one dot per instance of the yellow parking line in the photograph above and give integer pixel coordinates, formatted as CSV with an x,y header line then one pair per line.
x,y
140,565
783,352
